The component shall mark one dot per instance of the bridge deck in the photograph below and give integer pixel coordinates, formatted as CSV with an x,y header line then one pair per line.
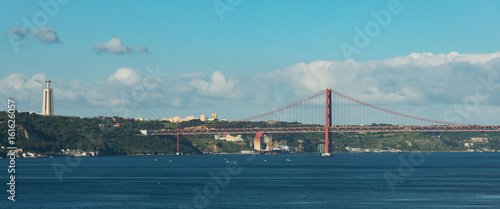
x,y
373,129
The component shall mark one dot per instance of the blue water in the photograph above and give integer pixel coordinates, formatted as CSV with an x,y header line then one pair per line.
x,y
366,180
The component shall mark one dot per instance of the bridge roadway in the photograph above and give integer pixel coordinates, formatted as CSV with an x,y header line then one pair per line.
x,y
372,129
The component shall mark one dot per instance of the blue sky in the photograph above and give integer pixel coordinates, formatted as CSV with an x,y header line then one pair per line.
x,y
256,38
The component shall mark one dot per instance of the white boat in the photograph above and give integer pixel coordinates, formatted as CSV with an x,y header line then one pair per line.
x,y
326,155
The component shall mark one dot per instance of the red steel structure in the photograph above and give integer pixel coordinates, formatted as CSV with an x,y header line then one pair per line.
x,y
318,129
178,144
328,119
392,112
328,128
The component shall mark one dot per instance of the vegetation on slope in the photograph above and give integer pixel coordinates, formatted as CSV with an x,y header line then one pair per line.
x,y
118,136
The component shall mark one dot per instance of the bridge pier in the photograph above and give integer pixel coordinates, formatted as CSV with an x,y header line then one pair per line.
x,y
178,143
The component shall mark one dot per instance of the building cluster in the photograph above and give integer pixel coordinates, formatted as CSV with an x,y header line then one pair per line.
x,y
79,153
479,139
376,150
114,118
477,144
22,154
228,137
111,121
114,124
263,143
178,119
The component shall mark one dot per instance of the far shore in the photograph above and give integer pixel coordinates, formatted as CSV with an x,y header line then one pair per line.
x,y
58,156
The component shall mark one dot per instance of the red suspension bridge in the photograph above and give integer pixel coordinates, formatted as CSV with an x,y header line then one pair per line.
x,y
348,114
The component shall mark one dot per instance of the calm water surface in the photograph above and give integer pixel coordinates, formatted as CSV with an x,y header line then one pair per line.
x,y
366,180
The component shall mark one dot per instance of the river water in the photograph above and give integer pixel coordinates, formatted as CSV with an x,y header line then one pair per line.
x,y
347,180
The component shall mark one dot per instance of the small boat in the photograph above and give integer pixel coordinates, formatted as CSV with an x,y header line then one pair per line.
x,y
288,160
326,155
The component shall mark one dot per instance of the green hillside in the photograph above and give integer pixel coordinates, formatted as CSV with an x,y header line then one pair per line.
x,y
119,136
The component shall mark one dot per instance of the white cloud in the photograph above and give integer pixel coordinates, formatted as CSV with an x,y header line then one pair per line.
x,y
20,32
126,76
27,92
431,60
74,91
218,86
414,79
44,34
421,80
115,46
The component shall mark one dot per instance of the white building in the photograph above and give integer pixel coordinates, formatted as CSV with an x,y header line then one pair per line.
x,y
178,119
229,138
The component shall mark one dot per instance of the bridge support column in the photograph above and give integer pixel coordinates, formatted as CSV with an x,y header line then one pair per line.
x,y
328,119
178,143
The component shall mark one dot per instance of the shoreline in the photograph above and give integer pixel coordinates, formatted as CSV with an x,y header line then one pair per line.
x,y
59,156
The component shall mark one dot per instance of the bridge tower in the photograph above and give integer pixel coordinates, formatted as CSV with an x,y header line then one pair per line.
x,y
328,119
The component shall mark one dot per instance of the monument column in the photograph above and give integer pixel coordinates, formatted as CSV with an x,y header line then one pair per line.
x,y
48,100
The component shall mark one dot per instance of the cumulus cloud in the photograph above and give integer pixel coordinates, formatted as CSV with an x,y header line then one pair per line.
x,y
219,86
22,87
413,79
115,46
431,60
20,32
44,35
417,80
126,76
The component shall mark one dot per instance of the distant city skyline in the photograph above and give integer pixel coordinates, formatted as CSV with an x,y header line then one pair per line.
x,y
187,58
178,119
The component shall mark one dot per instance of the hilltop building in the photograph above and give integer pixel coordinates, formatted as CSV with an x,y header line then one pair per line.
x,y
178,119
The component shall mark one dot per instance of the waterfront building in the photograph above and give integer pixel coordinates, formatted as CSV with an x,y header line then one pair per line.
x,y
479,139
229,138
